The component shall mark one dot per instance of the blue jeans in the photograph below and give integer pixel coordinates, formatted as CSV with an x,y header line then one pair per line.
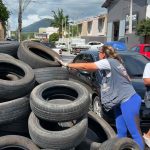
x,y
127,116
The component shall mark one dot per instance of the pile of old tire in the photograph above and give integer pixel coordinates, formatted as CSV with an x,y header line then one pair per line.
x,y
9,47
14,142
59,114
37,55
119,144
16,83
43,60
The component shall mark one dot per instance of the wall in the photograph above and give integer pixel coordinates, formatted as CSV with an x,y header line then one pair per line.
x,y
117,11
1,32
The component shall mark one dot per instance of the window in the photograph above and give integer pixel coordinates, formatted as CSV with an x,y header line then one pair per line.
x,y
88,58
135,49
135,64
100,24
89,26
147,48
79,58
80,28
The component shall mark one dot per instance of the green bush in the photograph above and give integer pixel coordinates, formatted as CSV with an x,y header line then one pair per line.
x,y
54,37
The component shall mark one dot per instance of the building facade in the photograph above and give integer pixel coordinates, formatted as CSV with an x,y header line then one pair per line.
x,y
118,19
93,28
2,32
44,33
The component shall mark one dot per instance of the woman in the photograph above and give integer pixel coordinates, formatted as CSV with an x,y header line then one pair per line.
x,y
116,92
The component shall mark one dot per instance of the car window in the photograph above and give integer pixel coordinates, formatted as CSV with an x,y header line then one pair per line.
x,y
79,58
135,49
135,64
88,58
147,48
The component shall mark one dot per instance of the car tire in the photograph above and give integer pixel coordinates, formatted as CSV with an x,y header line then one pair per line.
x,y
43,94
9,47
119,143
98,132
14,109
10,88
62,139
97,107
37,55
51,73
16,142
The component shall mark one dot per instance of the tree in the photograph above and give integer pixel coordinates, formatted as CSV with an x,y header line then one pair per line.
x,y
143,29
4,13
60,21
53,37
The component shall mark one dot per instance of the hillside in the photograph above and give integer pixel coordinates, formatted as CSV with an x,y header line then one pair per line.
x,y
39,24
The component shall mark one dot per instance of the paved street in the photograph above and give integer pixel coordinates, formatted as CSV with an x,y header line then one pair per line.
x,y
67,57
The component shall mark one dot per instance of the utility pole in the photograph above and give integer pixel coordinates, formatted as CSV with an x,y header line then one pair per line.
x,y
20,20
22,5
130,18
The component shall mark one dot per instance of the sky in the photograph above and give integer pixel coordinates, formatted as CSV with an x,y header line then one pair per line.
x,y
39,9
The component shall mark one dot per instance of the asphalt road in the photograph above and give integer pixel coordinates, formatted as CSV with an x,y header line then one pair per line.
x,y
67,57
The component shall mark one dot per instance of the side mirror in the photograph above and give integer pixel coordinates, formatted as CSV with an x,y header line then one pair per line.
x,y
85,73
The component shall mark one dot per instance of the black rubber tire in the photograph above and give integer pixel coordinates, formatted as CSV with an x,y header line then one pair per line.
x,y
109,131
10,89
14,109
9,47
63,139
57,90
37,55
119,143
102,132
14,141
51,73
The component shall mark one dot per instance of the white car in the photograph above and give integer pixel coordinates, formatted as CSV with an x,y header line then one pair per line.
x,y
57,50
62,46
95,45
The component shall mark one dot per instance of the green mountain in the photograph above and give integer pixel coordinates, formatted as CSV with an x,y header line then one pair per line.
x,y
39,24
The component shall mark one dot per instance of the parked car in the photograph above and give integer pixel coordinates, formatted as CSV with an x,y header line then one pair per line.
x,y
119,46
52,46
62,46
134,63
95,45
143,49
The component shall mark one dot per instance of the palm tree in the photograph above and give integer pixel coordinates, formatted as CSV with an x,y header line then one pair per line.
x,y
60,21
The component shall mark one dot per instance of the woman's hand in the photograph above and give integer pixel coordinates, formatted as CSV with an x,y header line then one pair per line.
x,y
61,62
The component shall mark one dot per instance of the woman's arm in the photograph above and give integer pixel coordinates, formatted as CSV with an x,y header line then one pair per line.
x,y
83,66
146,81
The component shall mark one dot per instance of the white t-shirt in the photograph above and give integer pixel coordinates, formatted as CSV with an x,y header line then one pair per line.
x,y
146,73
103,64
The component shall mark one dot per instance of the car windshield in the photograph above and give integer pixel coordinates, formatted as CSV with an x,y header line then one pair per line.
x,y
135,64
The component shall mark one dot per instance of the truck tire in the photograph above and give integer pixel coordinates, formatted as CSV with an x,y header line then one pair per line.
x,y
62,139
119,144
37,55
9,47
10,88
51,73
42,100
15,142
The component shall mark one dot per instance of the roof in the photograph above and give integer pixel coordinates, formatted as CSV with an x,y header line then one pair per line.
x,y
107,3
95,52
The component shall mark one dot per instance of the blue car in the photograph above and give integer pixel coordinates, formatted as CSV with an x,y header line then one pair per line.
x,y
119,46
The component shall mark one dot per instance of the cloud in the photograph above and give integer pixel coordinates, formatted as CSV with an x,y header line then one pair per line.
x,y
38,9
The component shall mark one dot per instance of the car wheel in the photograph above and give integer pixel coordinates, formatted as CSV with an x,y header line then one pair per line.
x,y
97,107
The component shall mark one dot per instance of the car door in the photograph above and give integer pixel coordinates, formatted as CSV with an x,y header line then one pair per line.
x,y
147,50
135,49
74,73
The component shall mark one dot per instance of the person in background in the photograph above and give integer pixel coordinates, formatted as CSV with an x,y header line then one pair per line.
x,y
117,92
146,79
